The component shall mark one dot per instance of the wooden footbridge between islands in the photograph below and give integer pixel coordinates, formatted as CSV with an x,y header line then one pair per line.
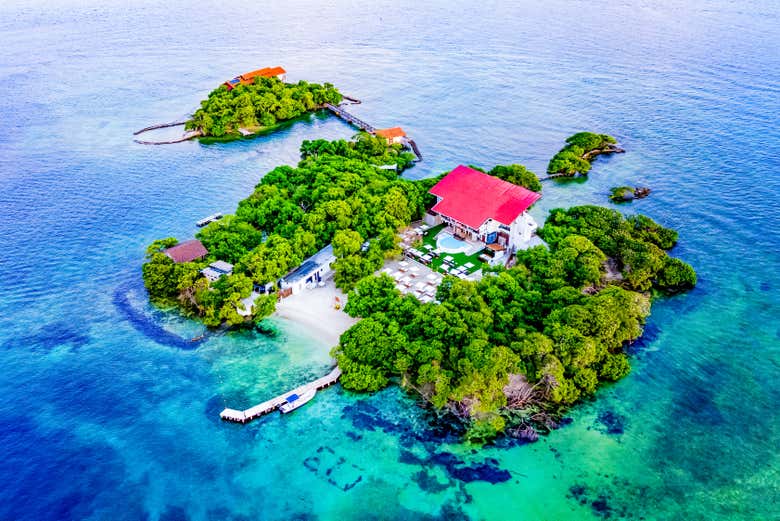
x,y
271,405
362,125
349,118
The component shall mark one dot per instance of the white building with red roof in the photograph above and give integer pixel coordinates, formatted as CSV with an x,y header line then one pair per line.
x,y
484,208
392,135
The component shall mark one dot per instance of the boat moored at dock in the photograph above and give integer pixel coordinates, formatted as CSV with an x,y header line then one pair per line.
x,y
294,401
238,416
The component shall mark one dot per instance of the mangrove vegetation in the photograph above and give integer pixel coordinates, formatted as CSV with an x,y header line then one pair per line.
x,y
580,149
519,175
623,194
509,352
516,348
259,105
336,194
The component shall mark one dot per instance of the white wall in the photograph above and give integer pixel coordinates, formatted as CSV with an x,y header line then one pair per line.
x,y
323,271
521,231
432,219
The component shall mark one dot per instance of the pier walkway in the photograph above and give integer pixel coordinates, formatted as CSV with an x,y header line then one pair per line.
x,y
161,125
271,405
185,137
362,125
208,220
414,148
349,118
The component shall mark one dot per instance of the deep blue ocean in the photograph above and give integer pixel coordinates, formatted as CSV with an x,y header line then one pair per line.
x,y
107,415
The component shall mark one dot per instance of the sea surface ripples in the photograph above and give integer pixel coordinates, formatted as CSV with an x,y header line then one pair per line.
x,y
106,405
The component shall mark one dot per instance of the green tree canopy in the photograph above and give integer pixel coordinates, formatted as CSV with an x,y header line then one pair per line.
x,y
519,175
554,319
263,103
575,157
336,194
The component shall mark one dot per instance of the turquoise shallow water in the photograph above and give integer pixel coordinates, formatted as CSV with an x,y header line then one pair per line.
x,y
109,414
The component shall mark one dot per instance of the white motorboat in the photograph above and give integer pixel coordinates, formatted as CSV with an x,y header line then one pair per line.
x,y
294,401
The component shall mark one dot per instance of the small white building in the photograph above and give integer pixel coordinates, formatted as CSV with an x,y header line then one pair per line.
x,y
484,208
216,269
248,304
313,270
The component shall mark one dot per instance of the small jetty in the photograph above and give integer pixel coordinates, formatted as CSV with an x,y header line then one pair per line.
x,y
208,220
273,404
554,176
185,137
349,118
160,125
414,148
362,125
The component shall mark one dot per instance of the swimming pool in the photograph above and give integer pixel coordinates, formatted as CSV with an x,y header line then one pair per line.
x,y
449,244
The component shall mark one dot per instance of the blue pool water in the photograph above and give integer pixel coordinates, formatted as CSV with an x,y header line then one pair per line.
x,y
109,411
450,244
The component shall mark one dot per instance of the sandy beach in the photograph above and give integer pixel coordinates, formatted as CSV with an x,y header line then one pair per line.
x,y
314,310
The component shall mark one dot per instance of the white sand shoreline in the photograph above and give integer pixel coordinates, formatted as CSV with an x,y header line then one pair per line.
x,y
314,310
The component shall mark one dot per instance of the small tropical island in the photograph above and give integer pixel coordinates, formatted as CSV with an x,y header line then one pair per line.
x,y
257,101
455,293
624,194
581,148
251,104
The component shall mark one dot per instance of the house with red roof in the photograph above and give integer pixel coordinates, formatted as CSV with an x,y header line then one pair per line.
x,y
249,77
187,251
392,135
480,207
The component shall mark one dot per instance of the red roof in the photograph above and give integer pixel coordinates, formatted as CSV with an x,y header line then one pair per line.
x,y
471,197
187,251
267,72
249,77
390,133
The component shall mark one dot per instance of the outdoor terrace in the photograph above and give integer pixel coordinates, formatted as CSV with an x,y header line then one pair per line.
x,y
413,278
424,245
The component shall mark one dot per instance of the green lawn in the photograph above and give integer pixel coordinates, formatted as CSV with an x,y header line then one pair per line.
x,y
460,259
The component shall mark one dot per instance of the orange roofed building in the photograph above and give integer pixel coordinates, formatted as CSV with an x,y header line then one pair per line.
x,y
392,135
249,77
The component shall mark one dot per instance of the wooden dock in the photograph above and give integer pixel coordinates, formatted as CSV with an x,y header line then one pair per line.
x,y
160,125
185,137
362,125
271,405
208,220
349,118
414,148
